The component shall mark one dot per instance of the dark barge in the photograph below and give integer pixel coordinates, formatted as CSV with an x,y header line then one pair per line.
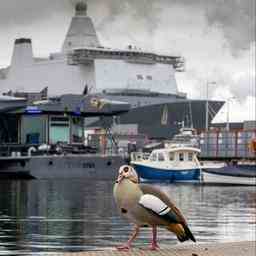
x,y
45,139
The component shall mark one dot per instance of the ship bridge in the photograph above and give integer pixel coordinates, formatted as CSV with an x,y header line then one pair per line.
x,y
88,54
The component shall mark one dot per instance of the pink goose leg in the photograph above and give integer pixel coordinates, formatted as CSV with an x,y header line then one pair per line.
x,y
128,244
154,246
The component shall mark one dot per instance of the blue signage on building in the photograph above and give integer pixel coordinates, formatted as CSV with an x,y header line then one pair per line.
x,y
33,110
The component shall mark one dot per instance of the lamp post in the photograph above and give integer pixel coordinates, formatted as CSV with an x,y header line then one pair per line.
x,y
207,105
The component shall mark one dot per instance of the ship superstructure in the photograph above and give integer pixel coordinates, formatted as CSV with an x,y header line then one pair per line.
x,y
144,79
83,61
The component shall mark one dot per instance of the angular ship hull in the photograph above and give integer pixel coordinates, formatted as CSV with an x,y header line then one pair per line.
x,y
163,120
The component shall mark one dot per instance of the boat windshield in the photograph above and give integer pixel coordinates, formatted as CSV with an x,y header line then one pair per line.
x,y
161,157
153,157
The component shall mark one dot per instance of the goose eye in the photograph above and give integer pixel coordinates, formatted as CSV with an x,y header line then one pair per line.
x,y
126,169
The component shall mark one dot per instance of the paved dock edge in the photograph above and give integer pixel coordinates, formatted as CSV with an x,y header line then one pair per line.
x,y
247,248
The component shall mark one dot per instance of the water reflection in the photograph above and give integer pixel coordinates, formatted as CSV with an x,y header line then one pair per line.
x,y
75,215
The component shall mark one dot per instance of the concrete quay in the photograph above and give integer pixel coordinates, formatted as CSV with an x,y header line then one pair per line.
x,y
214,249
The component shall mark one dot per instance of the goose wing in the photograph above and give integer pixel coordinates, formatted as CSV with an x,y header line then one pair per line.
x,y
159,204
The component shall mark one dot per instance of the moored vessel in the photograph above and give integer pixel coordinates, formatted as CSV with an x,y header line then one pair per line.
x,y
234,173
171,164
45,139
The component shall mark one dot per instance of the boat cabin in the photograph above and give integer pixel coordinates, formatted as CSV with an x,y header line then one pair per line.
x,y
176,156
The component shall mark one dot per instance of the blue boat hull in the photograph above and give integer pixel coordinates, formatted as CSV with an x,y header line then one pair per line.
x,y
150,173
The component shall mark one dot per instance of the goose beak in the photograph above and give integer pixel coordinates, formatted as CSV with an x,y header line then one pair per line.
x,y
119,178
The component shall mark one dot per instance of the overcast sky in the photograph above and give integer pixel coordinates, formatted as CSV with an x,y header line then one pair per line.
x,y
216,37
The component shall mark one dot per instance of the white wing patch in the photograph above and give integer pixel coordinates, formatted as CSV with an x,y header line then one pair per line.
x,y
154,203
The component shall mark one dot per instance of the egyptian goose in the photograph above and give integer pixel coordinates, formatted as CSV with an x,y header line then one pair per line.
x,y
145,205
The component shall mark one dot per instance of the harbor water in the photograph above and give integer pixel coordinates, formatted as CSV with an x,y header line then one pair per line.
x,y
38,216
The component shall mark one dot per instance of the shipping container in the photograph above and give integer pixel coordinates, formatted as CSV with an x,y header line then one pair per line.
x,y
227,144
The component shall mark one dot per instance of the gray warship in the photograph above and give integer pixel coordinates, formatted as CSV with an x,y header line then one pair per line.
x,y
144,79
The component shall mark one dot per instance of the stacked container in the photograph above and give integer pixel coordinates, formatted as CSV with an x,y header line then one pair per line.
x,y
227,144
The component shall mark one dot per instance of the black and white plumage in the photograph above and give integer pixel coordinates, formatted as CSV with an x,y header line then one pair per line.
x,y
153,203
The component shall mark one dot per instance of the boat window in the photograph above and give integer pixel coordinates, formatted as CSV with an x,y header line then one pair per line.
x,y
59,130
9,129
181,156
190,156
140,77
33,129
153,157
160,157
171,156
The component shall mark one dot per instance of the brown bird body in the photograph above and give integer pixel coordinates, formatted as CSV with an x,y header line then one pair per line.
x,y
145,205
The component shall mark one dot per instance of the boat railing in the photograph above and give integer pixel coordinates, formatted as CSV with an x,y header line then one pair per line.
x,y
28,150
180,144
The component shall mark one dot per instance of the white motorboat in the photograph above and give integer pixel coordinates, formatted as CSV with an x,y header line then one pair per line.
x,y
173,164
